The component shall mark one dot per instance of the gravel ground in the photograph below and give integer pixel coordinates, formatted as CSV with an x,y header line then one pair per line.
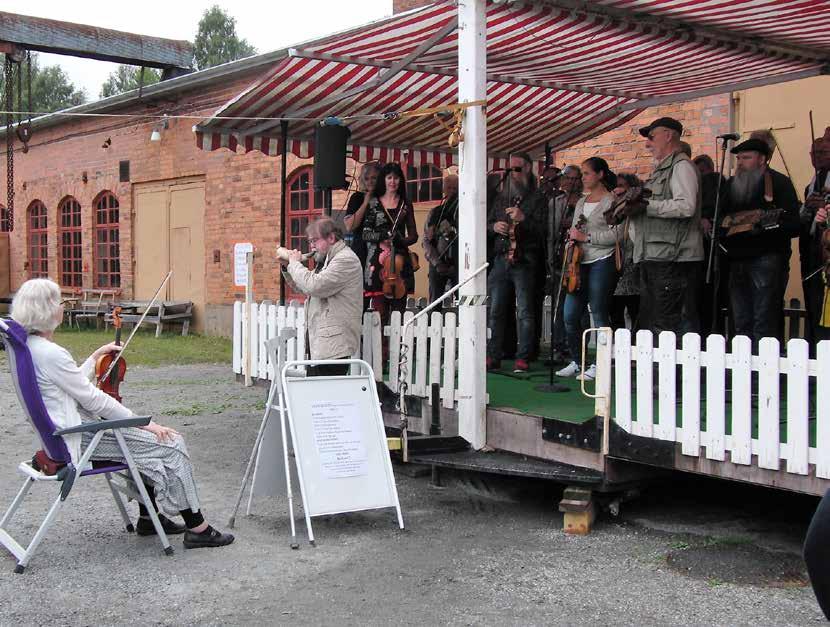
x,y
477,551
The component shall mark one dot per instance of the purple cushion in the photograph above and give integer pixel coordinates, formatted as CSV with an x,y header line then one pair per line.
x,y
25,382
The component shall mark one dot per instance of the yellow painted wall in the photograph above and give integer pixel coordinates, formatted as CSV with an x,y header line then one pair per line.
x,y
785,108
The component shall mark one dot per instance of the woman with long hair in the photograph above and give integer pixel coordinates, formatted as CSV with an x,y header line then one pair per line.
x,y
388,225
597,271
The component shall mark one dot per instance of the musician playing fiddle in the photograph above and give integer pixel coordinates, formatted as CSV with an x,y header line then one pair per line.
x,y
813,226
597,270
70,397
758,249
517,222
334,295
389,229
441,241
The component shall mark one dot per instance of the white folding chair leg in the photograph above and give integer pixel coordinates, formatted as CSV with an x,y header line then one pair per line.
x,y
119,503
40,535
24,490
145,498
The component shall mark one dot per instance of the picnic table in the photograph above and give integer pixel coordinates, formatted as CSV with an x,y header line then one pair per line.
x,y
161,313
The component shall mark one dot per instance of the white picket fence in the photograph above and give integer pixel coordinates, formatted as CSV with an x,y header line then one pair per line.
x,y
430,346
705,424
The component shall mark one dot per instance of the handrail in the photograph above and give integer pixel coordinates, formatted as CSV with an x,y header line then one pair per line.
x,y
402,357
440,300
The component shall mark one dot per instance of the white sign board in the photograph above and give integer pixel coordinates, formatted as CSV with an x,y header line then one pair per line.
x,y
339,441
240,263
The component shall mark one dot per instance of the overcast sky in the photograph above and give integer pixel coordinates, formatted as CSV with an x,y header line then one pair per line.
x,y
266,25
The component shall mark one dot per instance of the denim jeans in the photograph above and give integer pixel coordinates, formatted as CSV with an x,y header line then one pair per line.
x,y
505,279
756,289
596,285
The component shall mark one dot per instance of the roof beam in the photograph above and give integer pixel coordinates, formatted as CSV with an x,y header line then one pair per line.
x,y
431,69
91,42
383,77
665,25
723,89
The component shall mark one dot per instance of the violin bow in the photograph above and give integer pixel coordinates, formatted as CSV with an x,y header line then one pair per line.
x,y
137,325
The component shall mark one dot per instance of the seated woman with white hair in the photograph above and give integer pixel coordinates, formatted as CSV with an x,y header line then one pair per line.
x,y
70,397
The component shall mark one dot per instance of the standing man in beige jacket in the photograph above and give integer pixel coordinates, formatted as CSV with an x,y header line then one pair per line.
x,y
334,291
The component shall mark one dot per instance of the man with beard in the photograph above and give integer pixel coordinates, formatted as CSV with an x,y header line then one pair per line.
x,y
812,227
518,210
441,241
758,249
667,239
334,290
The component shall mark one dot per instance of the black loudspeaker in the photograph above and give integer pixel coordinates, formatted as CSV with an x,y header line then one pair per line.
x,y
330,156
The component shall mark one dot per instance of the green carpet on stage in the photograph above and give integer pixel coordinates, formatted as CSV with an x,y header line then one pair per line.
x,y
517,391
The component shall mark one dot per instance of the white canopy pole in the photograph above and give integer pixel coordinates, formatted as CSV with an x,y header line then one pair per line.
x,y
472,223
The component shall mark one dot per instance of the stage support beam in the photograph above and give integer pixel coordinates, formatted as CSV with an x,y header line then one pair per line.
x,y
472,223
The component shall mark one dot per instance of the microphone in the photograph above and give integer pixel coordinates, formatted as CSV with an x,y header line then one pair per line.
x,y
730,136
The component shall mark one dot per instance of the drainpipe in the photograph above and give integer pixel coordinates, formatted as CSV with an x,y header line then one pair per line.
x,y
283,194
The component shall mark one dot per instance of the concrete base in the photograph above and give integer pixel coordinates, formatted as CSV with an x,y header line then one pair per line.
x,y
580,512
218,320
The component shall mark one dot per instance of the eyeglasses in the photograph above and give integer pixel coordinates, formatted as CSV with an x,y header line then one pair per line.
x,y
67,301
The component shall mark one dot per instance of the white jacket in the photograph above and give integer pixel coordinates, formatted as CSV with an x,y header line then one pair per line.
x,y
334,308
66,389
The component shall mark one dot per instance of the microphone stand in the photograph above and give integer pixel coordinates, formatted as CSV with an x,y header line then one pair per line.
x,y
713,262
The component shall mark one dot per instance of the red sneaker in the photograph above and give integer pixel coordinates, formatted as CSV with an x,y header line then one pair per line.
x,y
492,364
521,366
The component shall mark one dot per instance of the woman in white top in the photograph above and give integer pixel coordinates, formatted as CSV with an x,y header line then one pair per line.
x,y
598,273
70,398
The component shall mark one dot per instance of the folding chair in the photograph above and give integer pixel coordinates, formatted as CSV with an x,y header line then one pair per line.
x,y
122,478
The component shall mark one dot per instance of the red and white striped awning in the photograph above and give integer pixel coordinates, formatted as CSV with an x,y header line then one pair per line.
x,y
559,71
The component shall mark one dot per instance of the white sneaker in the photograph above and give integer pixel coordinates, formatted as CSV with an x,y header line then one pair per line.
x,y
589,375
572,369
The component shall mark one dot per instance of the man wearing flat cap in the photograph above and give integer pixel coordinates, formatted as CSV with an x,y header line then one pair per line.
x,y
761,213
668,243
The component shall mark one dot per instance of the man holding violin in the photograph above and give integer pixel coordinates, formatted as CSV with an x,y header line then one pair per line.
x,y
517,222
334,291
666,232
814,243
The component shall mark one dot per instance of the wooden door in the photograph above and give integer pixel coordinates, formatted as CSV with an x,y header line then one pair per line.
x,y
150,244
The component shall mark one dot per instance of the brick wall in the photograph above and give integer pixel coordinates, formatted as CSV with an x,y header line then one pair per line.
x,y
624,148
242,192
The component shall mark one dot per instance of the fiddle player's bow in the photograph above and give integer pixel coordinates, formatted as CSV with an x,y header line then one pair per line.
x,y
137,325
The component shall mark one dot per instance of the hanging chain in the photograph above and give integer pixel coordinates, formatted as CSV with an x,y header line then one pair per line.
x,y
9,78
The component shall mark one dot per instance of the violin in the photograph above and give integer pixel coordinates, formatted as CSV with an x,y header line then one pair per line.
x,y
108,383
573,258
394,286
513,253
630,203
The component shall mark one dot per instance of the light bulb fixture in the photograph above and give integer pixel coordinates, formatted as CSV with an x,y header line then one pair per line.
x,y
164,124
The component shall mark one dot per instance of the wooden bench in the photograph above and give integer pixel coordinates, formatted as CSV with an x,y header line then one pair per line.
x,y
91,304
164,312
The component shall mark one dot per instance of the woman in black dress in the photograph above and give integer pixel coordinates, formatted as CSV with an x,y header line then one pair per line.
x,y
389,222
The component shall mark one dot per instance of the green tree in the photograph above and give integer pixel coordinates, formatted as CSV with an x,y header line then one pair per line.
x,y
51,88
216,40
126,78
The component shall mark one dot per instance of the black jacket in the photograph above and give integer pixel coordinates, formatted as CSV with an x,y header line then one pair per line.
x,y
530,232
749,245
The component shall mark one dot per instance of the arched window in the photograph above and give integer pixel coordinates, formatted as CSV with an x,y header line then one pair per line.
x,y
424,183
106,253
38,240
305,204
4,220
70,238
